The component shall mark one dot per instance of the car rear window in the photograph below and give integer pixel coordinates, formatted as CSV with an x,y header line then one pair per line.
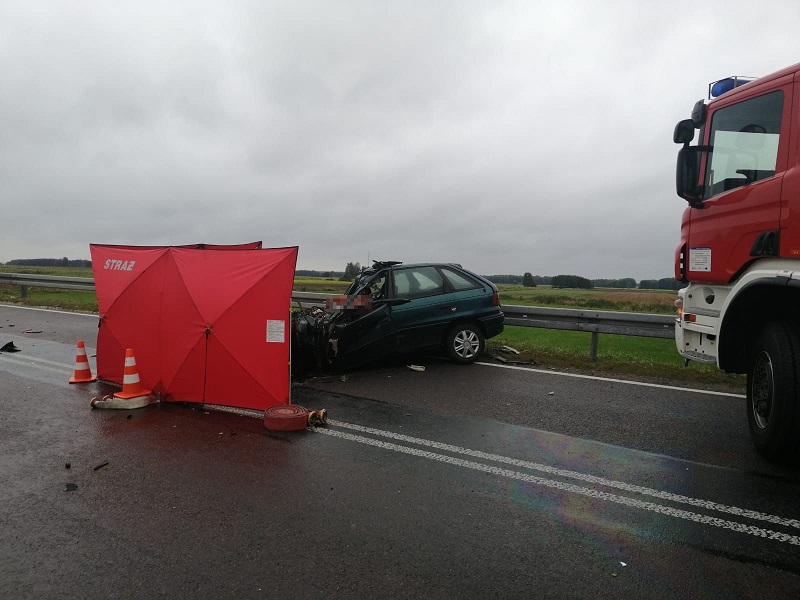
x,y
458,281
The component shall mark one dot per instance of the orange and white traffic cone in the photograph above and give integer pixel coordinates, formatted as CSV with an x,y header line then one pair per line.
x,y
133,395
83,372
131,386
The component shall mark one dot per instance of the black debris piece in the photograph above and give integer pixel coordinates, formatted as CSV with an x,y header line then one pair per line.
x,y
9,347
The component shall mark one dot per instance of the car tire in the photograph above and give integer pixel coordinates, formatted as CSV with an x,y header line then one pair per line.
x,y
773,392
464,343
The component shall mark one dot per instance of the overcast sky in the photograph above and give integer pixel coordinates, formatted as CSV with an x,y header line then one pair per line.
x,y
506,136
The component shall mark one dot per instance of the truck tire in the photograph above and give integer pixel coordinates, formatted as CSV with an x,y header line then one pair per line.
x,y
773,392
464,343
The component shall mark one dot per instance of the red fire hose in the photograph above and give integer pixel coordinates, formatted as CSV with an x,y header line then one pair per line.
x,y
286,417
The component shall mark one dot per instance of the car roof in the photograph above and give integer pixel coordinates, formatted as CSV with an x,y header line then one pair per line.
x,y
391,264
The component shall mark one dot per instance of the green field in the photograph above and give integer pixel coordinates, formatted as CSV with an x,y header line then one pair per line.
x,y
646,301
618,356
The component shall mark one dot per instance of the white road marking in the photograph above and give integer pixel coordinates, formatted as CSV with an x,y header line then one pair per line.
x,y
40,363
513,367
625,381
571,488
621,485
52,310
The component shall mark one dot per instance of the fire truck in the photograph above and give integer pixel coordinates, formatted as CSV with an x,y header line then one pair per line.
x,y
739,250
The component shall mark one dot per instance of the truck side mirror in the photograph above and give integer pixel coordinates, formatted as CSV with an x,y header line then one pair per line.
x,y
684,132
687,175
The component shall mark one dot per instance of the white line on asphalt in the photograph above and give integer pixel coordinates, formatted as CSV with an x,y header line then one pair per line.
x,y
597,378
64,369
706,504
513,367
52,310
575,489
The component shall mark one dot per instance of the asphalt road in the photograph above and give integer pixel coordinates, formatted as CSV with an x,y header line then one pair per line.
x,y
456,482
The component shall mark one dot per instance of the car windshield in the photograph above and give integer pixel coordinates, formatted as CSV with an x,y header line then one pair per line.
x,y
368,284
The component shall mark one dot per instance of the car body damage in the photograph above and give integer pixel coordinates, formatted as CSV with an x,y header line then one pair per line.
x,y
393,308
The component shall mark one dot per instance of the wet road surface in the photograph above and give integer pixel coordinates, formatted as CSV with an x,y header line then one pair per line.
x,y
452,483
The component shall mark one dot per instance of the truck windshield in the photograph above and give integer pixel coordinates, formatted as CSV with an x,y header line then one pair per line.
x,y
744,138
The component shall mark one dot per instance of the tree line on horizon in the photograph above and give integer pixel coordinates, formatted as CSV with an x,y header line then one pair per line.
x,y
354,268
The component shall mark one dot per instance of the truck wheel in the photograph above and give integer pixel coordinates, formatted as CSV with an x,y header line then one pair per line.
x,y
464,343
773,392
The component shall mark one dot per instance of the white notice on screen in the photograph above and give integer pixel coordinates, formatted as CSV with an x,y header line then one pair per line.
x,y
276,331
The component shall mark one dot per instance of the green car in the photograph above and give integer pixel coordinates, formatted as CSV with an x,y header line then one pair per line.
x,y
392,308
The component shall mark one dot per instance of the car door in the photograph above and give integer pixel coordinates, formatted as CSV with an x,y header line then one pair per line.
x,y
423,320
368,333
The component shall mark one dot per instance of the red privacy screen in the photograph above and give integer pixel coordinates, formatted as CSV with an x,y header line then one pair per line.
x,y
207,324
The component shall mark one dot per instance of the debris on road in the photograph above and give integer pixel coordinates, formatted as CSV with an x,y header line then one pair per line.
x,y
71,487
101,465
505,361
509,350
32,331
418,368
9,347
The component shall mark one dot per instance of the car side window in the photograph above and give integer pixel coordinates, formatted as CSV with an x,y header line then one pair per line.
x,y
458,281
417,283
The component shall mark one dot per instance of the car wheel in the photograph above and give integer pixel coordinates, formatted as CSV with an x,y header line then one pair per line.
x,y
464,343
773,408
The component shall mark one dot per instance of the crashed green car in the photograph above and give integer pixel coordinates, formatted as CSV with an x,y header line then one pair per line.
x,y
392,308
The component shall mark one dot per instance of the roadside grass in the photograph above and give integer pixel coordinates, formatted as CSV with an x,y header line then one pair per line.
x,y
74,300
618,355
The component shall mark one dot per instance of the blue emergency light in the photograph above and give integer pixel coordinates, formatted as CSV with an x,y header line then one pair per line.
x,y
717,88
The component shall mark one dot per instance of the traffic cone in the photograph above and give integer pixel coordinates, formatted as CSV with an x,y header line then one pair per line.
x,y
83,373
131,386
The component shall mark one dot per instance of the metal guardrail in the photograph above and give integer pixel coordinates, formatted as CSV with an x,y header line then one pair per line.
x,y
24,280
568,319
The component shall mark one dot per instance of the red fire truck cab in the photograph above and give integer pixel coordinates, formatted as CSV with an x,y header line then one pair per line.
x,y
740,246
